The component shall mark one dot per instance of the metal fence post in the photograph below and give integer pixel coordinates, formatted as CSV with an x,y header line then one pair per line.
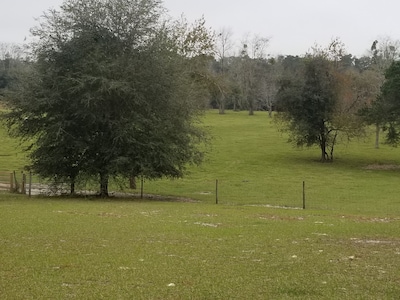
x,y
216,191
30,184
11,182
141,188
23,187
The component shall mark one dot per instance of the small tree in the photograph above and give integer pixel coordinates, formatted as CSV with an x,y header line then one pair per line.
x,y
218,87
307,106
251,69
317,104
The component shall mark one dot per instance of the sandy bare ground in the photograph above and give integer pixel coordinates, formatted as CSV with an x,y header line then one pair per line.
x,y
382,167
48,190
4,187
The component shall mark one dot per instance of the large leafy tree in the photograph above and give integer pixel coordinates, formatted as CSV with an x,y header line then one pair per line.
x,y
111,92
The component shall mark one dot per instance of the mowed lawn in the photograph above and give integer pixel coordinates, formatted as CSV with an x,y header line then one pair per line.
x,y
119,249
254,164
345,245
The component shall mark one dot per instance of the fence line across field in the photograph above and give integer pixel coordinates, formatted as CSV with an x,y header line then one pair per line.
x,y
218,191
291,193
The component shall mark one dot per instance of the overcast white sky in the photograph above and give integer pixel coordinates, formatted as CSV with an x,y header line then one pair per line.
x,y
292,25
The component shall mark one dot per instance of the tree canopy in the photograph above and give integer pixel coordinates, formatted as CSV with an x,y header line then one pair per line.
x,y
307,104
112,91
390,98
316,100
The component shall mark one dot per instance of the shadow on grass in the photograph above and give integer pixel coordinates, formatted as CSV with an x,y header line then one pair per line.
x,y
344,162
113,197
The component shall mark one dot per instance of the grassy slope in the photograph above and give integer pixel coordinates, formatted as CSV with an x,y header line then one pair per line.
x,y
255,165
12,157
85,249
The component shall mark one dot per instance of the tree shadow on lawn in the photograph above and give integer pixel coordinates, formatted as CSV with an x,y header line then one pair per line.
x,y
343,162
117,197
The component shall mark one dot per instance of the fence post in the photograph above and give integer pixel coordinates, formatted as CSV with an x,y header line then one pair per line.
x,y
304,195
30,184
132,182
216,191
141,187
23,187
11,182
16,185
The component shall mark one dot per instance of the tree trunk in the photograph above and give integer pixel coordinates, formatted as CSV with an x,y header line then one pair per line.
x,y
104,185
251,108
222,107
323,152
377,132
270,110
333,146
132,182
72,188
322,144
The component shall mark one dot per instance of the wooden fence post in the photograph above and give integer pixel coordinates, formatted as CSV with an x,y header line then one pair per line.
x,y
23,187
141,188
216,191
30,184
11,182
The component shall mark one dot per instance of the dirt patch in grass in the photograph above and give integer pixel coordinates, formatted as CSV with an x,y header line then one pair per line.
x,y
364,219
280,218
154,197
274,206
374,241
384,167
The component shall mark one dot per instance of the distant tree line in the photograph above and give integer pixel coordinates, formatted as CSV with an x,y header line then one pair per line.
x,y
321,97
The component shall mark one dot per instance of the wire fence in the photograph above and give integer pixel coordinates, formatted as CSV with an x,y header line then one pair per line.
x,y
291,194
32,184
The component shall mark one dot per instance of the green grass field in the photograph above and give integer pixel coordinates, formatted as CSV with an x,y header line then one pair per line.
x,y
255,165
345,245
92,249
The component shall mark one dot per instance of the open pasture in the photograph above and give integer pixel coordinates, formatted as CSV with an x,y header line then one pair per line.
x,y
254,164
345,245
116,249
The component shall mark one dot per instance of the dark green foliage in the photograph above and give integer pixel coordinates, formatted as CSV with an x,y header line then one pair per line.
x,y
8,65
307,105
390,98
109,98
384,110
